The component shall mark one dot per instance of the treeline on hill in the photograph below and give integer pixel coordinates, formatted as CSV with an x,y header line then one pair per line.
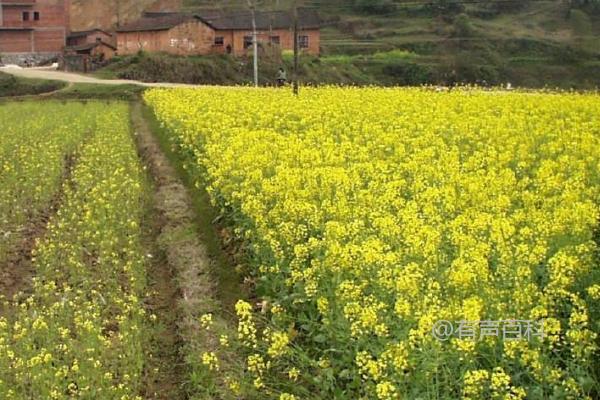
x,y
385,42
457,6
359,70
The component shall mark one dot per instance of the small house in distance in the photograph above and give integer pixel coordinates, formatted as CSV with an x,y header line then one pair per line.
x,y
99,50
87,57
174,33
88,50
233,30
78,38
218,32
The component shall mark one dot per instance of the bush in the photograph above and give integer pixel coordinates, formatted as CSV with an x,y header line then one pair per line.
x,y
394,55
445,7
580,23
509,6
589,6
374,6
6,81
408,74
463,27
166,68
12,86
569,55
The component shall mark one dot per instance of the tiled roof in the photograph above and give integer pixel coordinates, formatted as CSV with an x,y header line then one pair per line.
x,y
89,46
77,34
158,23
242,19
307,19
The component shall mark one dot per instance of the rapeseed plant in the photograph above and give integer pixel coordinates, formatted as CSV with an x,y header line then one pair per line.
x,y
370,214
79,333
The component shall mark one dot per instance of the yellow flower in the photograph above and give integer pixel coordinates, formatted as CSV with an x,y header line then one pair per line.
x,y
224,340
210,360
386,391
287,396
279,343
373,213
293,374
206,321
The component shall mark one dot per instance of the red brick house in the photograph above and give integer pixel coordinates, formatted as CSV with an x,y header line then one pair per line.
x,y
32,30
79,38
171,33
99,50
233,31
217,32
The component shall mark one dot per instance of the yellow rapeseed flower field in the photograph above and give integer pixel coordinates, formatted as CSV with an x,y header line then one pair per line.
x,y
79,331
32,160
368,215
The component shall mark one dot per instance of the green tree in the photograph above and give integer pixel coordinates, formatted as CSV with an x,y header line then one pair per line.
x,y
440,7
463,27
590,6
374,6
581,25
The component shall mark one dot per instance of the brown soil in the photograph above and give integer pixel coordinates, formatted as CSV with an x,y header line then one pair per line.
x,y
17,269
164,369
179,276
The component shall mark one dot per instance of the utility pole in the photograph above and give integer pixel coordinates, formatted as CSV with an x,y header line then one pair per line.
x,y
118,14
295,47
254,41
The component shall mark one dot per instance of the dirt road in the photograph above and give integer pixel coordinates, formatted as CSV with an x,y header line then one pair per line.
x,y
50,74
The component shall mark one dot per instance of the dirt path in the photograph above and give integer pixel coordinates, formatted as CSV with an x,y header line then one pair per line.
x,y
179,276
164,371
78,78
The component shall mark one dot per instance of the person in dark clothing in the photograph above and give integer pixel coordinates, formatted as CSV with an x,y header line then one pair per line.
x,y
281,77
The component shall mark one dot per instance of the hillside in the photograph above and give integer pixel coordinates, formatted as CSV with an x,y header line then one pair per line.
x,y
529,43
86,14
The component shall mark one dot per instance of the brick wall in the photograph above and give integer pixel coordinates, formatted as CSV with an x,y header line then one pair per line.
x,y
52,13
286,39
13,17
92,37
104,51
49,40
190,38
49,29
227,41
15,41
132,42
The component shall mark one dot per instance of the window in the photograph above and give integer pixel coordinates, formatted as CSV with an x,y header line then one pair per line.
x,y
303,42
247,42
219,41
25,15
36,15
274,39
